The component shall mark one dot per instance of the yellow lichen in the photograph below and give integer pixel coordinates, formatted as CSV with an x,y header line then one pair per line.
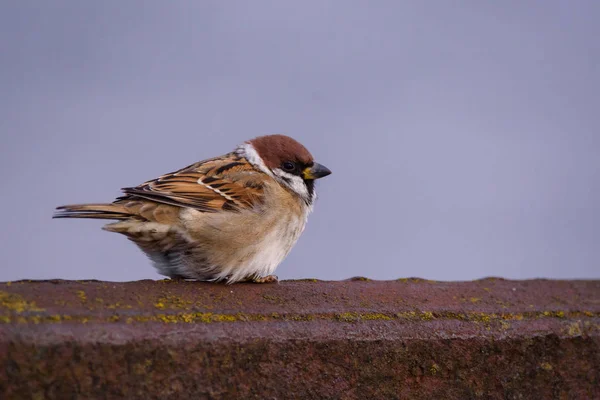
x,y
347,317
375,317
223,318
353,316
118,305
427,315
546,366
517,317
553,314
173,302
82,296
300,318
187,317
167,318
16,303
406,315
482,317
574,329
434,368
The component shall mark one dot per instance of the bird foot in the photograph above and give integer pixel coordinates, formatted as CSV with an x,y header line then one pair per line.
x,y
264,279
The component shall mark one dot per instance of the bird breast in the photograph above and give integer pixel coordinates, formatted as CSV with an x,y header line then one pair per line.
x,y
237,245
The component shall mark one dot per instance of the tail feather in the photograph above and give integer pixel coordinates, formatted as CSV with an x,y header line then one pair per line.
x,y
97,211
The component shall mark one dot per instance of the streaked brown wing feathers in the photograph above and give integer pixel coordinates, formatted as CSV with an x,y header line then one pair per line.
x,y
226,183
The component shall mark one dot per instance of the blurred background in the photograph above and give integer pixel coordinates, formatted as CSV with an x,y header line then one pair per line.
x,y
464,137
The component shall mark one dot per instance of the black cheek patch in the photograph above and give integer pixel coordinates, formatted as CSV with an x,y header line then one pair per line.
x,y
286,179
310,185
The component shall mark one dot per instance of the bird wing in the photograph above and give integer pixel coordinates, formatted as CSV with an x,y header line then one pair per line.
x,y
227,183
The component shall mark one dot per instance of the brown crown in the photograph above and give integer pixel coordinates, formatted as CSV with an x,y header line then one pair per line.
x,y
275,149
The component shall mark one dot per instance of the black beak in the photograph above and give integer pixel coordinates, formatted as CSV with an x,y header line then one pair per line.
x,y
316,171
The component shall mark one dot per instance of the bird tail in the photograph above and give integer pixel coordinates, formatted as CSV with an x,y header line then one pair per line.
x,y
96,211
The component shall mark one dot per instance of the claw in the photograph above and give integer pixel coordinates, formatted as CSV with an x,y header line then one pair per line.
x,y
264,279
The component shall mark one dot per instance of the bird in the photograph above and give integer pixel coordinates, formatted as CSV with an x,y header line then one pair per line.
x,y
232,218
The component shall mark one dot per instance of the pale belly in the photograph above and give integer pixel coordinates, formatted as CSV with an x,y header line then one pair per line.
x,y
233,248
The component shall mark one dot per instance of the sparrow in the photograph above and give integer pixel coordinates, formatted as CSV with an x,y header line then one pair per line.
x,y
230,218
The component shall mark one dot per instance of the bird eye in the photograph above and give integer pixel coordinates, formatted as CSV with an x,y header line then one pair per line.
x,y
289,166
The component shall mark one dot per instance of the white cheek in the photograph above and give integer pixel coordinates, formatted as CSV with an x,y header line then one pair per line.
x,y
294,182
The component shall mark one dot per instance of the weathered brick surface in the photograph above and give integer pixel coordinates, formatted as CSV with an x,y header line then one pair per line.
x,y
489,339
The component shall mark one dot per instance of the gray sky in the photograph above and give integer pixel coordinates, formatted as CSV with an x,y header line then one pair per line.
x,y
463,137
